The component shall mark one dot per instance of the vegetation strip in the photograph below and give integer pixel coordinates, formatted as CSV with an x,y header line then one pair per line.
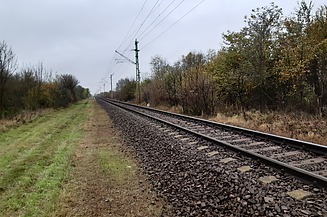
x,y
65,164
35,161
276,61
105,180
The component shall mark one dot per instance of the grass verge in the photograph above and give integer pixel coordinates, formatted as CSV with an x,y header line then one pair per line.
x,y
34,161
105,180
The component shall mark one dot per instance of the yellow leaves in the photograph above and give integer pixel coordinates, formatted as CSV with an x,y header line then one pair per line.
x,y
321,48
49,92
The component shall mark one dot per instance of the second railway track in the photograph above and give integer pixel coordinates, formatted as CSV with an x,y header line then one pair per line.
x,y
304,160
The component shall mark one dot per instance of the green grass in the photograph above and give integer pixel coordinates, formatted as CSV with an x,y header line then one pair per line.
x,y
120,169
35,161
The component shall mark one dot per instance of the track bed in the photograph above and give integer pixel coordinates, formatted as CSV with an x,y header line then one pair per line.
x,y
199,178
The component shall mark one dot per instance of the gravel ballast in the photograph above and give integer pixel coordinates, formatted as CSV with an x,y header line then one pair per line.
x,y
196,181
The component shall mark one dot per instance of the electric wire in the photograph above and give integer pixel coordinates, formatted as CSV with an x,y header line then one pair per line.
x,y
163,32
155,7
112,62
146,18
137,16
144,33
158,18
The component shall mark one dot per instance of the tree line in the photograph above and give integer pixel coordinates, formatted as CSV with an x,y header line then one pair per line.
x,y
275,62
33,87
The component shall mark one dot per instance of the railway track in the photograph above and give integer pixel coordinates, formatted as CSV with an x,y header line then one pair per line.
x,y
200,177
307,161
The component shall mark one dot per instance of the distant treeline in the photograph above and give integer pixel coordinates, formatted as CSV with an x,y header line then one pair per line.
x,y
33,87
275,62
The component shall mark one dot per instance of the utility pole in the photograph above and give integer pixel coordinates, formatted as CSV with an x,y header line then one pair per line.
x,y
111,93
138,77
104,85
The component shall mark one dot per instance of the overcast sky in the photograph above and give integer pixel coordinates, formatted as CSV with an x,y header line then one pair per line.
x,y
80,37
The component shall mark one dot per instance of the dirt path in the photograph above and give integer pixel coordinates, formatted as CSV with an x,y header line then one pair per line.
x,y
105,180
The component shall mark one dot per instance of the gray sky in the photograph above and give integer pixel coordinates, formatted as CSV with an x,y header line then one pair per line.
x,y
79,37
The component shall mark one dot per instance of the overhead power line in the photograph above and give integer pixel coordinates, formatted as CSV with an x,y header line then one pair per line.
x,y
130,28
163,32
134,30
112,62
158,17
145,19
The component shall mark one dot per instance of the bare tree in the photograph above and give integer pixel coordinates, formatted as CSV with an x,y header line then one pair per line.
x,y
8,65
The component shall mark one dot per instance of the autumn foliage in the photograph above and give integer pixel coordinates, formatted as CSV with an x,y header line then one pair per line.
x,y
33,87
274,62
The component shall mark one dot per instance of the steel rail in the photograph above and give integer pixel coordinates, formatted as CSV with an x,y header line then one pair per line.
x,y
298,144
298,172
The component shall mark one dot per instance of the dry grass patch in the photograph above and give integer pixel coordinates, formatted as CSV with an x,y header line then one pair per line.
x,y
106,180
299,126
22,118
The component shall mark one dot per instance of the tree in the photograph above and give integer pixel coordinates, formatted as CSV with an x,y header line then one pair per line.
x,y
146,90
32,81
264,25
126,89
158,89
196,85
173,81
233,79
28,84
68,83
294,57
158,67
317,73
81,92
8,65
274,62
50,97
